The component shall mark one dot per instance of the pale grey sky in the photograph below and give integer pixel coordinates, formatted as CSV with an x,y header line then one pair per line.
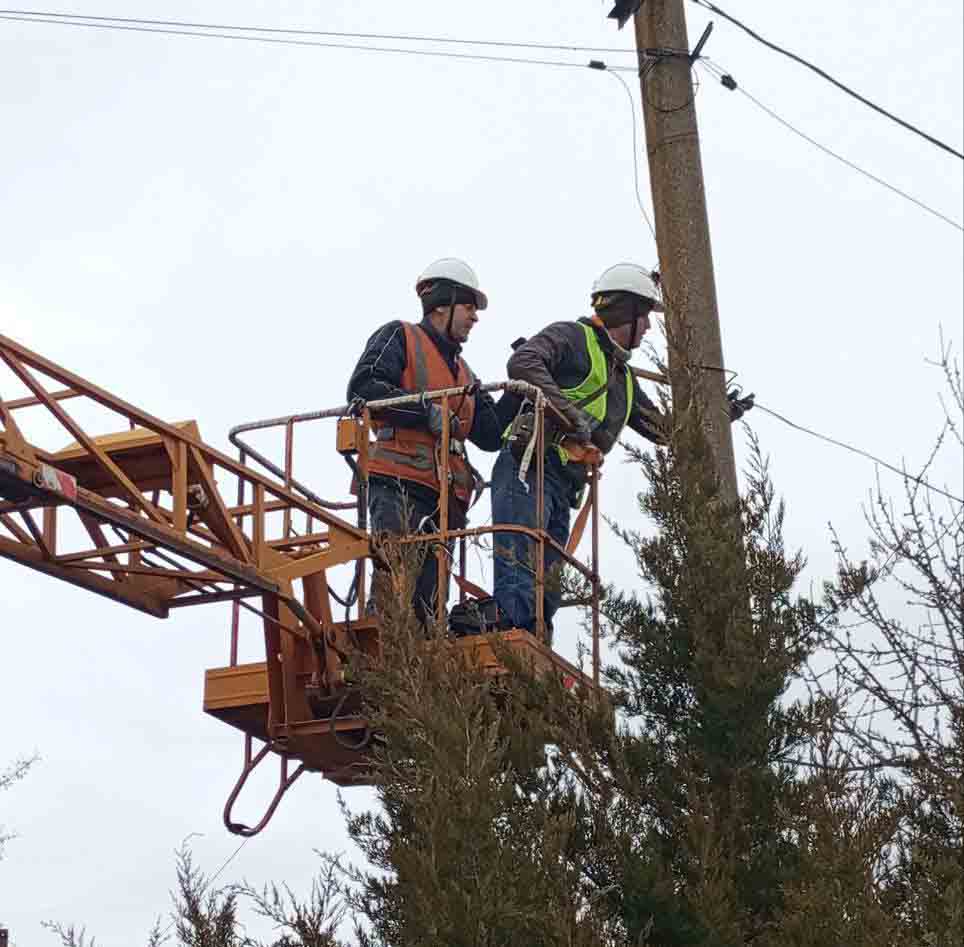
x,y
211,229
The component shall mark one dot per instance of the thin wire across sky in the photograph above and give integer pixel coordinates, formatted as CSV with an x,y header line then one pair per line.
x,y
328,39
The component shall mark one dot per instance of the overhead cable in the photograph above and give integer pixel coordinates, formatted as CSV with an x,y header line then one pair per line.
x,y
45,16
720,73
208,883
826,75
632,111
290,41
285,36
862,453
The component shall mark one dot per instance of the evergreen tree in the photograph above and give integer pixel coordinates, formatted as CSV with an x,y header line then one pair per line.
x,y
13,774
473,845
710,801
709,819
700,852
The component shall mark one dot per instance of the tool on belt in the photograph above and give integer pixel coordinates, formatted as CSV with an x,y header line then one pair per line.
x,y
522,431
457,448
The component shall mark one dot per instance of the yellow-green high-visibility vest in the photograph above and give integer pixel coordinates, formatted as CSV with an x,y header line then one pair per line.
x,y
597,379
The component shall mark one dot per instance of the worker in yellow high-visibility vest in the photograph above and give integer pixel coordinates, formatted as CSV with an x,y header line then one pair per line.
x,y
582,366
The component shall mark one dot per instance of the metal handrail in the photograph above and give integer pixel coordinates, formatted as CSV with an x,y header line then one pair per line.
x,y
289,420
535,451
249,451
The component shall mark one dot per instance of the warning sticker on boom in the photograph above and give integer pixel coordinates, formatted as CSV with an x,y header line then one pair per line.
x,y
49,478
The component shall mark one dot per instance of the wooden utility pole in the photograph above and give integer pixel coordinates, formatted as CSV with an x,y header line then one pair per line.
x,y
682,225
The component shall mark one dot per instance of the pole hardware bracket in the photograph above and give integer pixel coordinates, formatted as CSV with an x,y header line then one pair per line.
x,y
698,48
656,53
691,56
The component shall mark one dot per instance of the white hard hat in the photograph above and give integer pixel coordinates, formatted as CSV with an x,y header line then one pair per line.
x,y
629,278
455,271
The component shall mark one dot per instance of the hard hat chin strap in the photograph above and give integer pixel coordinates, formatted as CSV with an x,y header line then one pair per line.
x,y
620,354
636,338
448,327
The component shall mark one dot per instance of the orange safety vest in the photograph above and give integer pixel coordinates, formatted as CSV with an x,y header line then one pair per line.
x,y
413,454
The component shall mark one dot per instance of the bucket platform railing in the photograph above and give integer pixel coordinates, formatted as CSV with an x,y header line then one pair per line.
x,y
535,456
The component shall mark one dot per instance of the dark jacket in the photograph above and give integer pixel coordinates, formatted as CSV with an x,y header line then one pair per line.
x,y
379,372
557,358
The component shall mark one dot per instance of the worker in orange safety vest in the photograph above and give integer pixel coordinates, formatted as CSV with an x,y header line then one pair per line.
x,y
403,358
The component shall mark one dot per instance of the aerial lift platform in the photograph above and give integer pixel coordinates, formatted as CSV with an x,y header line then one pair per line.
x,y
139,516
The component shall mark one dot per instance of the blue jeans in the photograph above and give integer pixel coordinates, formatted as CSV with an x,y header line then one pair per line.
x,y
398,510
515,554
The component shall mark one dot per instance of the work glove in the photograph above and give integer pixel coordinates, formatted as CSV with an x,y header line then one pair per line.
x,y
435,417
582,452
739,406
580,432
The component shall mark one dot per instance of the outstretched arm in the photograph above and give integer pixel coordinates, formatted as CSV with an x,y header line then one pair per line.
x,y
646,419
653,424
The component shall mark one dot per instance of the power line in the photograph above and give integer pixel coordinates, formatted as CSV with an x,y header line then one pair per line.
x,y
212,879
289,41
601,66
862,453
49,16
826,75
191,28
130,24
717,71
632,112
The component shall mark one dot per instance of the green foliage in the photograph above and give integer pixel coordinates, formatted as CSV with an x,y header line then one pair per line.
x,y
927,886
700,850
69,935
205,917
723,805
844,833
729,795
474,842
8,777
310,923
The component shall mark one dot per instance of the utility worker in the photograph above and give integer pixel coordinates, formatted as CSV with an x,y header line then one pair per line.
x,y
583,369
404,463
